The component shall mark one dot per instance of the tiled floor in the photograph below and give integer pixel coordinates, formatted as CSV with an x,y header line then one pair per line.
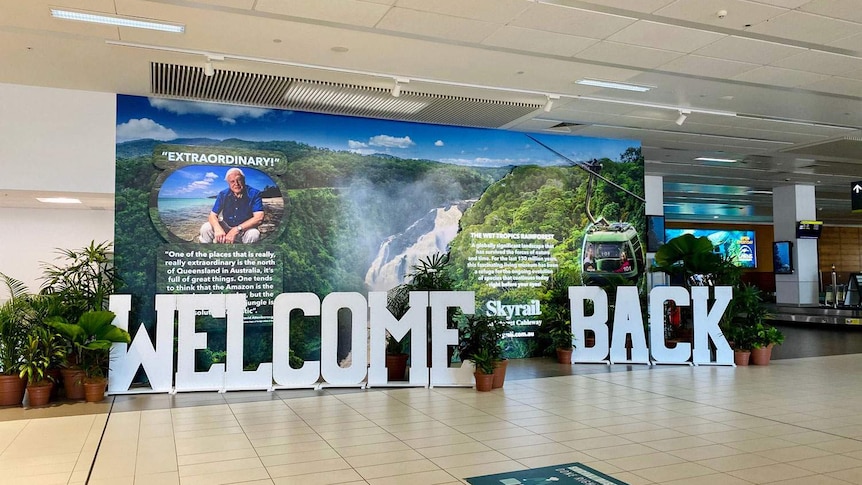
x,y
796,421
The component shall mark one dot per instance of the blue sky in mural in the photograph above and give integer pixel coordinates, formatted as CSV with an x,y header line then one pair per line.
x,y
201,181
164,119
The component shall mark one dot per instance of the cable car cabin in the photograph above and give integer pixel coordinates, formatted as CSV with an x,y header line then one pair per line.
x,y
610,251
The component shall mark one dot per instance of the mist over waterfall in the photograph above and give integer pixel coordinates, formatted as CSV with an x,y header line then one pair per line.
x,y
400,252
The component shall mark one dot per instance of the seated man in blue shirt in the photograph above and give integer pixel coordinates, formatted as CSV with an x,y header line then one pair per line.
x,y
236,214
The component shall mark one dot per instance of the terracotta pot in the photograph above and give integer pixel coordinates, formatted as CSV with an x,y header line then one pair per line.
x,y
396,367
762,355
73,383
500,373
11,390
94,389
39,394
484,382
741,357
57,378
564,356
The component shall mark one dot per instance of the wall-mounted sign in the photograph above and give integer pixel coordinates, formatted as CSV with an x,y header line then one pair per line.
x,y
856,196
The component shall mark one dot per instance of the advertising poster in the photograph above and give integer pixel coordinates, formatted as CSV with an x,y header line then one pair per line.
x,y
334,203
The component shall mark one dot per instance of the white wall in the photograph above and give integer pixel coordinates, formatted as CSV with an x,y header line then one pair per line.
x,y
57,139
39,232
53,140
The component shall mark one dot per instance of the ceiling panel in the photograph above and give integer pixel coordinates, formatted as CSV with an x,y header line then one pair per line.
x,y
571,21
838,9
663,36
756,51
627,54
538,41
739,13
495,11
707,66
436,25
344,11
821,63
776,76
807,28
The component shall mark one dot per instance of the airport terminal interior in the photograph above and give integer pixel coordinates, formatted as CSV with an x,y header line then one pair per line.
x,y
748,119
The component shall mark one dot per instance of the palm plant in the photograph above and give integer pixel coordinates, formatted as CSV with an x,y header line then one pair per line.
x,y
83,280
91,337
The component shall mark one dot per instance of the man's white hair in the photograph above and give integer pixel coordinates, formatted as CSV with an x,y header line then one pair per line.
x,y
234,170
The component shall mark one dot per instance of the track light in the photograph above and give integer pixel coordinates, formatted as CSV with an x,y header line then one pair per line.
x,y
549,103
209,69
683,115
396,90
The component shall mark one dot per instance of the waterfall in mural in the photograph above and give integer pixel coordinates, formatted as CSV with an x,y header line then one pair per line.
x,y
398,253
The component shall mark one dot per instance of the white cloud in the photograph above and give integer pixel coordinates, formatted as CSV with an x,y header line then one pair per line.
x,y
196,186
226,113
390,141
355,145
138,129
438,143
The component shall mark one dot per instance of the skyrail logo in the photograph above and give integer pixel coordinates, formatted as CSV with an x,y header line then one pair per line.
x,y
496,308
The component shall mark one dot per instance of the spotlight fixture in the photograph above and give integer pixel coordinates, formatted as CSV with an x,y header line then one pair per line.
x,y
209,69
683,115
396,89
550,103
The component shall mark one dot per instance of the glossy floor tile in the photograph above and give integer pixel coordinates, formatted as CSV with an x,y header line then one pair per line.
x,y
795,421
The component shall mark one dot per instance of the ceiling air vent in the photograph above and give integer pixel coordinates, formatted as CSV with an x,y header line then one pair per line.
x,y
190,82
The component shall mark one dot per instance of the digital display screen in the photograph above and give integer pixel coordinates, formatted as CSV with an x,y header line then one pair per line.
x,y
809,229
782,257
738,246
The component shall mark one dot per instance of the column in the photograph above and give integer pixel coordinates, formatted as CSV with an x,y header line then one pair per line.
x,y
790,204
654,195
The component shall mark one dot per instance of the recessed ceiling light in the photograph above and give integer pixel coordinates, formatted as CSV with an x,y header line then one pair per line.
x,y
760,192
613,85
720,160
118,21
58,200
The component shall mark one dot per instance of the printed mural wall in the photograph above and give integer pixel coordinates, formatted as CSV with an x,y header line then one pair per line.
x,y
354,205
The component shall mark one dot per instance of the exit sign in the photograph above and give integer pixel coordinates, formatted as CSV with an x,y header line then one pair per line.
x,y
856,196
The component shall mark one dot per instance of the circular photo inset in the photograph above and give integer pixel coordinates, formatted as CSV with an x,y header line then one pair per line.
x,y
246,203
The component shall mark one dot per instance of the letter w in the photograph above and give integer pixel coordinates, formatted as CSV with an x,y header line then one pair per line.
x,y
157,362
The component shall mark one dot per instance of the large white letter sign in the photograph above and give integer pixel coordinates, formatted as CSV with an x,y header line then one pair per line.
x,y
706,325
442,337
629,321
661,353
158,362
414,321
597,322
282,373
235,377
329,368
188,341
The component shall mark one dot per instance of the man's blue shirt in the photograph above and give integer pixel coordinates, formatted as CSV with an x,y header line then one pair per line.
x,y
235,210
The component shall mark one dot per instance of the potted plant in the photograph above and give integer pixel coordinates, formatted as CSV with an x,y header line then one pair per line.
x,y
740,339
562,341
483,360
764,338
483,333
14,319
91,338
428,274
81,281
396,358
35,359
